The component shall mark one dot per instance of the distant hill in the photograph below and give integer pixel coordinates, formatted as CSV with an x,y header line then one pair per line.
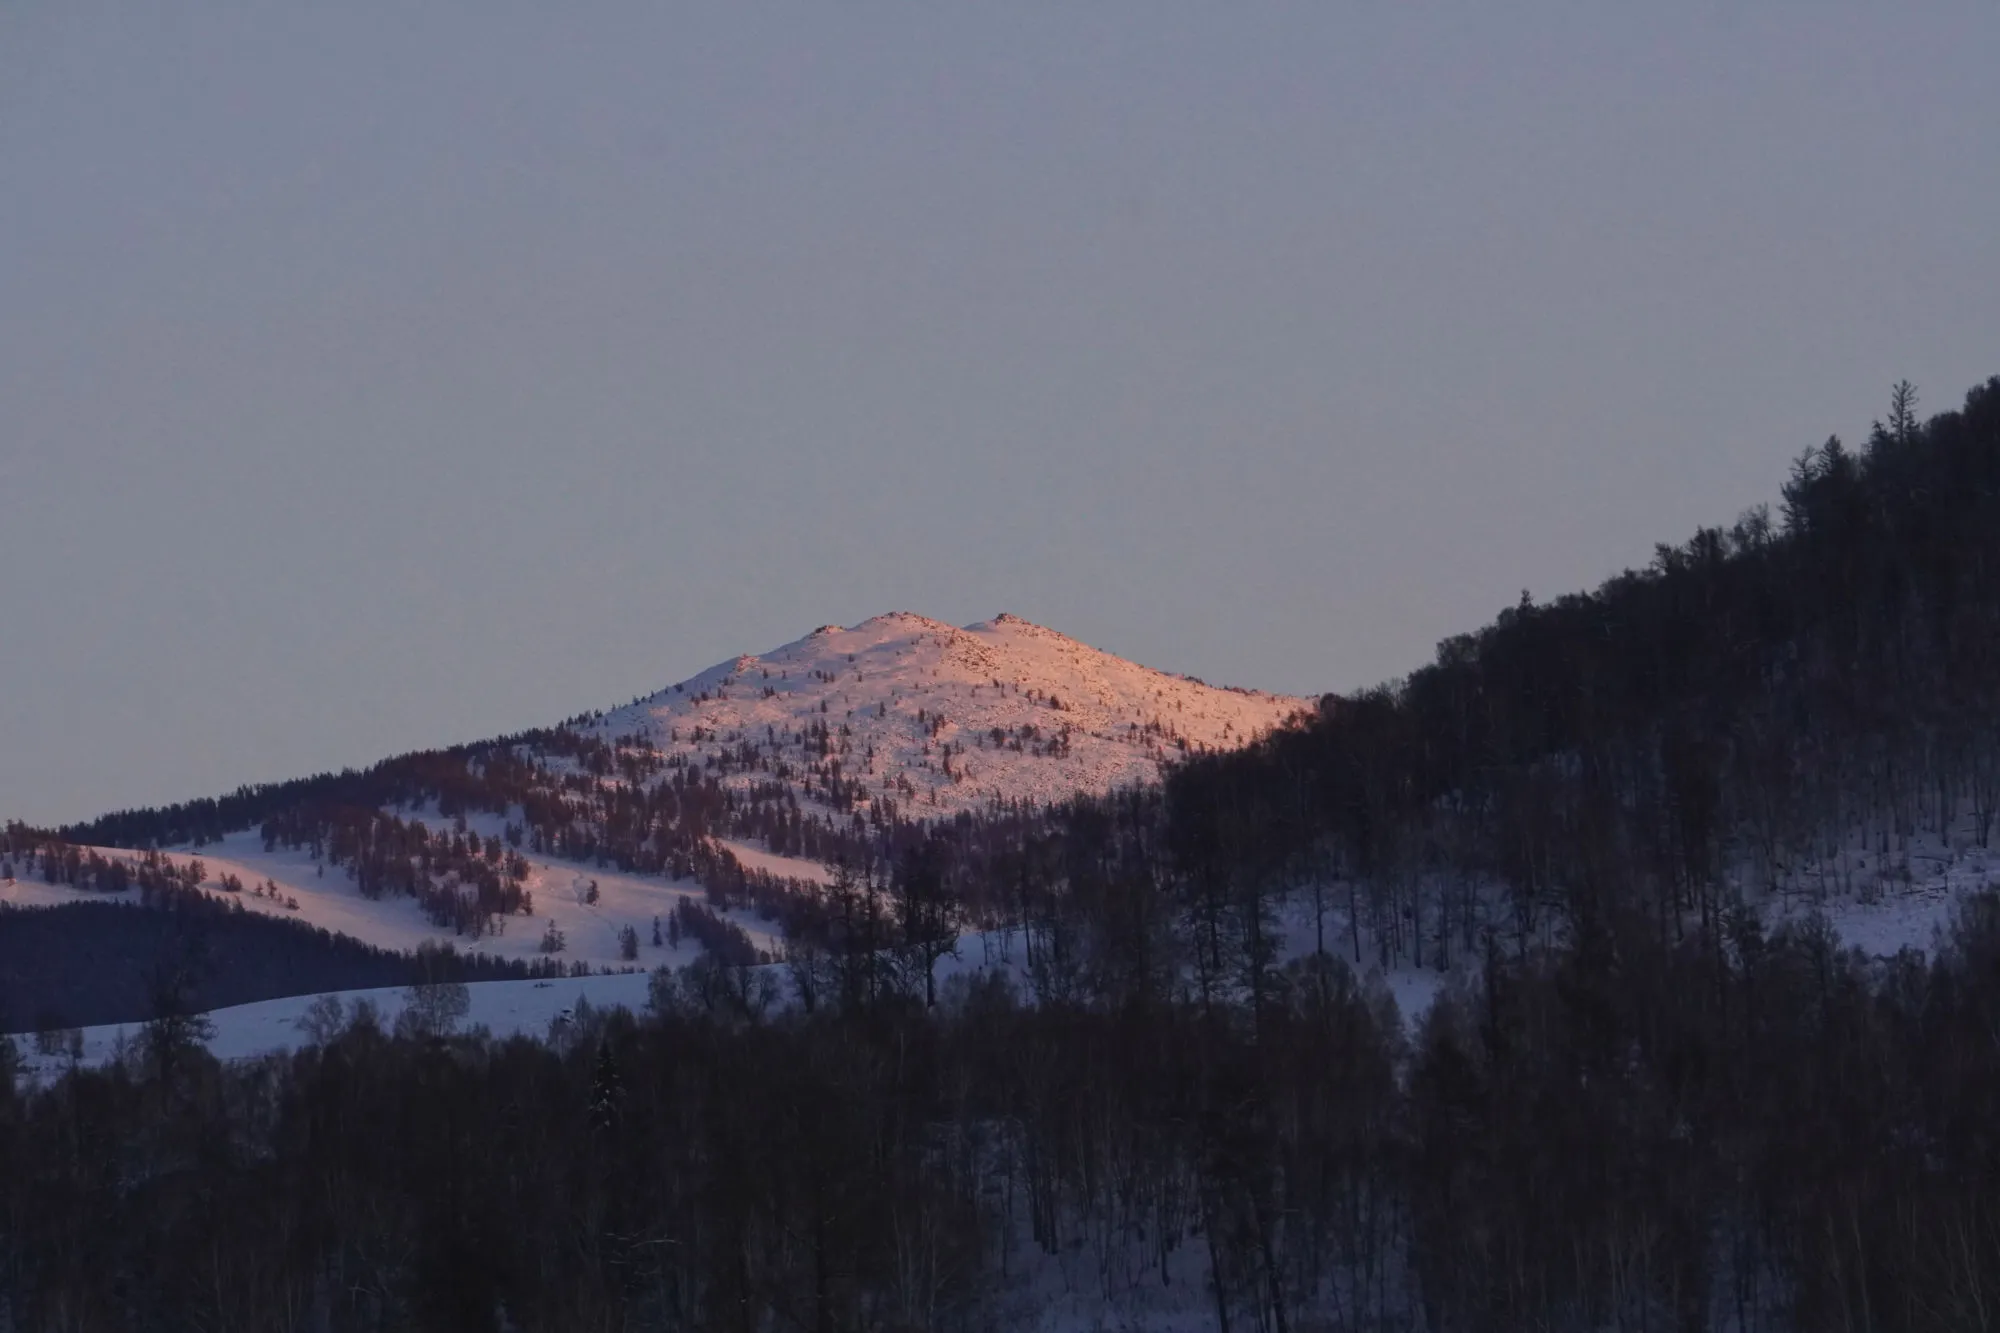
x,y
698,818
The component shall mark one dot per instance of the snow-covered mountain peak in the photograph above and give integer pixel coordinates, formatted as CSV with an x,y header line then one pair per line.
x,y
936,718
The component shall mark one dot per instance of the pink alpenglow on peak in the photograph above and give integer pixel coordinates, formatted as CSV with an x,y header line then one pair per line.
x,y
937,718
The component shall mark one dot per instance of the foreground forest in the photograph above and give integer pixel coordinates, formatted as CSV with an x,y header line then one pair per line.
x,y
1749,1133
1652,1109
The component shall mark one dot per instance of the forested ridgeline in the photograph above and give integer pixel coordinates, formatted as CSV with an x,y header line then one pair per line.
x,y
1623,1133
1802,707
1806,704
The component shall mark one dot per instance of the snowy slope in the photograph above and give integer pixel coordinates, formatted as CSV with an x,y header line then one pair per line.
x,y
1910,918
243,1031
939,719
910,708
331,901
503,1008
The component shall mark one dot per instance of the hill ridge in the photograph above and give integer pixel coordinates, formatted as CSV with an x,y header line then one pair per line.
x,y
931,718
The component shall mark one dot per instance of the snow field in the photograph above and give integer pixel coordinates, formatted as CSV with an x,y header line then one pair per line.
x,y
904,687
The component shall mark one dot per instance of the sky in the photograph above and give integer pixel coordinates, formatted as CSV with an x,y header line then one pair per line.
x,y
377,375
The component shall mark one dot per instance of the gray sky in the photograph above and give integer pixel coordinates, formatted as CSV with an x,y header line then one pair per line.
x,y
383,375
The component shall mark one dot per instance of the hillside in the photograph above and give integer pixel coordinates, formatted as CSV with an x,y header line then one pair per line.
x,y
588,906
700,817
1801,709
913,713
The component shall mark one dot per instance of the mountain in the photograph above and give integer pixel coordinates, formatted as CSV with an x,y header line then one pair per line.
x,y
701,811
918,715
1705,858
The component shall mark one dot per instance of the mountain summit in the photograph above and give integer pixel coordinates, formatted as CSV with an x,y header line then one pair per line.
x,y
769,765
912,714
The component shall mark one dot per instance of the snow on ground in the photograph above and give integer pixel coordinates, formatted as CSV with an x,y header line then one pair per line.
x,y
508,1008
1902,917
34,893
1910,918
904,687
1879,921
505,1008
328,898
937,718
1876,902
754,857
